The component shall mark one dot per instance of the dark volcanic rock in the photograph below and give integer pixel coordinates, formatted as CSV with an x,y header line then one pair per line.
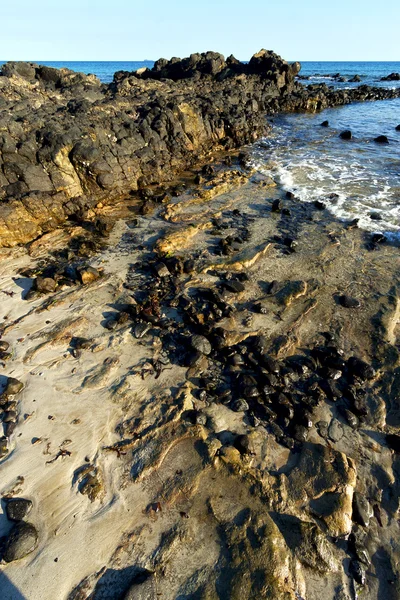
x,y
349,302
381,139
87,142
21,541
18,508
391,77
201,344
346,135
13,387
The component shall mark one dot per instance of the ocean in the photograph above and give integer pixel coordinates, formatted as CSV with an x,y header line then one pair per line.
x,y
312,161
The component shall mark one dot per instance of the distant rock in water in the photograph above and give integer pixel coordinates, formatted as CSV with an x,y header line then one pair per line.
x,y
355,79
346,135
391,77
325,124
381,139
398,128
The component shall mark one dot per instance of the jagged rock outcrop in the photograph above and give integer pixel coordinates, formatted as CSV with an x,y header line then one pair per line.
x,y
68,142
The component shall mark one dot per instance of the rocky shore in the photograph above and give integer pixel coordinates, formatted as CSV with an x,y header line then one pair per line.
x,y
199,379
68,143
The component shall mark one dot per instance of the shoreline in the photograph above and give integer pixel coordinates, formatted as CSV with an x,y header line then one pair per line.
x,y
199,421
89,143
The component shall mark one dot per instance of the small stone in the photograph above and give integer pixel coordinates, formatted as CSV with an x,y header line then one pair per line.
x,y
18,508
4,346
201,344
233,286
335,430
273,287
13,387
9,428
21,541
3,446
349,302
301,433
353,224
381,139
325,124
375,216
45,285
162,270
378,238
398,128
291,243
111,324
322,428
346,135
362,510
200,418
276,205
319,205
141,329
260,309
239,405
10,416
351,418
360,368
89,275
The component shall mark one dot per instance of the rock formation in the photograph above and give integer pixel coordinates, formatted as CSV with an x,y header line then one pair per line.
x,y
68,142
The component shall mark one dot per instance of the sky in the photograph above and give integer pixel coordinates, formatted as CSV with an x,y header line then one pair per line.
x,y
129,30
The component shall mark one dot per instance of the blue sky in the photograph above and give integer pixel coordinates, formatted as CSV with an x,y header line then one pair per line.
x,y
137,30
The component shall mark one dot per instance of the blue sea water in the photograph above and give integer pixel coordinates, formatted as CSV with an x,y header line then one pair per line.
x,y
312,160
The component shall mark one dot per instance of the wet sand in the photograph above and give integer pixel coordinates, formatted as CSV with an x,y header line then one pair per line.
x,y
140,481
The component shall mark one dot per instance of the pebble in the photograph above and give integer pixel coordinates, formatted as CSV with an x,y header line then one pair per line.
x,y
10,416
201,344
162,270
276,205
322,428
335,430
381,139
141,329
89,275
349,302
239,405
14,386
3,446
234,286
4,346
18,508
360,368
21,541
45,285
9,428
